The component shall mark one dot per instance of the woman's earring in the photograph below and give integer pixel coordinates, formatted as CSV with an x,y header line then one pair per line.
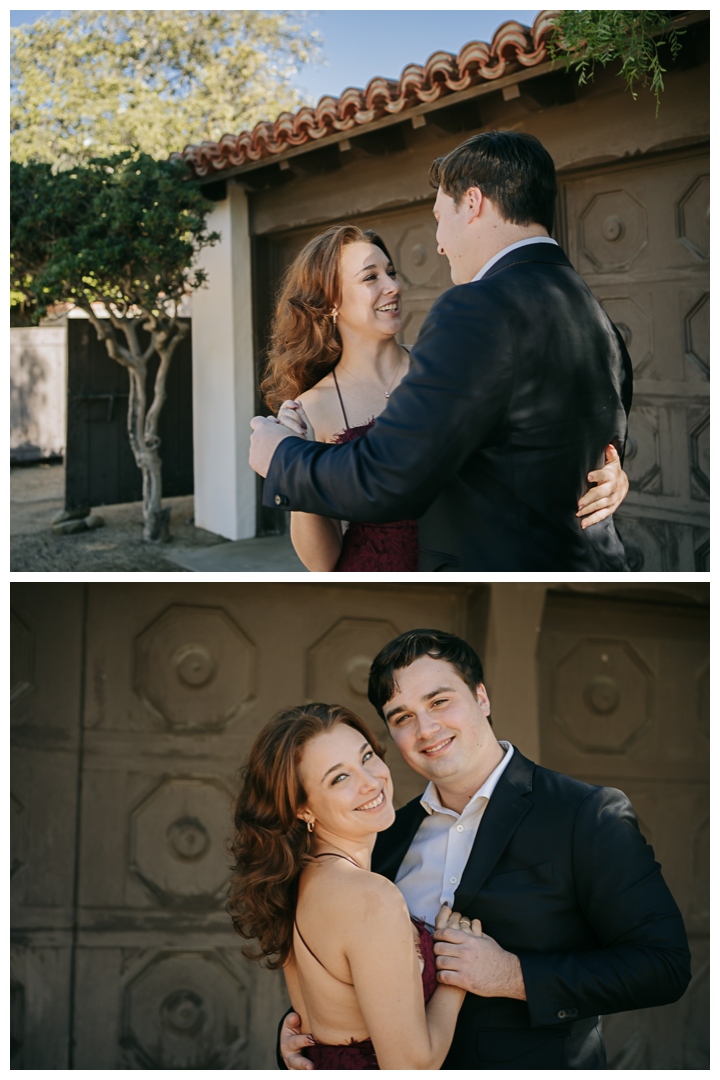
x,y
334,318
310,825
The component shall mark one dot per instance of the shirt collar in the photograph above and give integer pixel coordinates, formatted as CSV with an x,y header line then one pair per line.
x,y
512,247
431,799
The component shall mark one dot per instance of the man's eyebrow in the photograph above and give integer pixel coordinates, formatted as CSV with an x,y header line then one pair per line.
x,y
341,764
425,697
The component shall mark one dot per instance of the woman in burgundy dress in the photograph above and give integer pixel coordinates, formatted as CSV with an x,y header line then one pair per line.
x,y
360,972
333,363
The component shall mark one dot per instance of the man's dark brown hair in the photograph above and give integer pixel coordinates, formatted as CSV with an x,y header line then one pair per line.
x,y
512,169
403,651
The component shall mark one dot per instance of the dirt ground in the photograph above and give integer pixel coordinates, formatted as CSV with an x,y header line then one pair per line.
x,y
36,495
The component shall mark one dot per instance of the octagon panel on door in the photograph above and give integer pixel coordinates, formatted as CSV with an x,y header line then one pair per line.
x,y
639,235
179,680
615,710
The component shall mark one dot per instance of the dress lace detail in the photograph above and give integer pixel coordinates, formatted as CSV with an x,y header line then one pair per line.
x,y
377,548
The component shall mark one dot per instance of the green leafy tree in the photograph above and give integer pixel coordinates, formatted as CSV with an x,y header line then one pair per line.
x,y
585,39
100,82
122,232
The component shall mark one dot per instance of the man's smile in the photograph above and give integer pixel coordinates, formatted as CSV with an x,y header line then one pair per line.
x,y
436,748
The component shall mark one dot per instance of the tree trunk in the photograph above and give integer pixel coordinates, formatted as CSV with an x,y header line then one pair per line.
x,y
143,422
146,449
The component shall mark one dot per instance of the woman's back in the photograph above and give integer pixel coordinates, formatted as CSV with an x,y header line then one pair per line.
x,y
339,912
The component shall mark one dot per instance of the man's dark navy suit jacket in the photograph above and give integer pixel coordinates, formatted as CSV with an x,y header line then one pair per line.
x,y
517,383
560,875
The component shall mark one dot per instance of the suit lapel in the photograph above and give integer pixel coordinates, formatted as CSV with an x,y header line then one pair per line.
x,y
508,805
391,845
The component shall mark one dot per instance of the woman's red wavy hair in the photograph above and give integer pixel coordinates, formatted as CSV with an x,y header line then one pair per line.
x,y
271,845
305,345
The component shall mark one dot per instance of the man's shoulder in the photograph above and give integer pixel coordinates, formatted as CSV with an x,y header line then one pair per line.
x,y
571,793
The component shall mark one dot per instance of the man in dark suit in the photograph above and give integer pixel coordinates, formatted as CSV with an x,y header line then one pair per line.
x,y
518,381
577,920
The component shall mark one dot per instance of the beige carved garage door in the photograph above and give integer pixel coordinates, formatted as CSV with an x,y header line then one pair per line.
x,y
639,236
624,701
133,707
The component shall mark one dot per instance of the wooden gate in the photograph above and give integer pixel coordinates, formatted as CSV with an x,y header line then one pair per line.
x,y
625,701
639,236
100,467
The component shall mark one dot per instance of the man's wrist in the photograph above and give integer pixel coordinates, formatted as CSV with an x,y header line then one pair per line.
x,y
517,982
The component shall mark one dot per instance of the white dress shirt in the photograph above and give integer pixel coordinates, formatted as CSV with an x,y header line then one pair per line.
x,y
512,247
434,864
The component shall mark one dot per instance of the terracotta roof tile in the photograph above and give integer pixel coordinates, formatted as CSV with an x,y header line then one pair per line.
x,y
443,73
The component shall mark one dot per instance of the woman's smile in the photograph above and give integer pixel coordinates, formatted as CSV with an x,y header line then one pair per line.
x,y
375,803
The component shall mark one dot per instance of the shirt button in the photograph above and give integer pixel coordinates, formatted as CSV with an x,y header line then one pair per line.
x,y
453,881
459,828
561,1014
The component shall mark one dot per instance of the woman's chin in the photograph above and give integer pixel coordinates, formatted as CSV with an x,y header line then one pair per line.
x,y
385,820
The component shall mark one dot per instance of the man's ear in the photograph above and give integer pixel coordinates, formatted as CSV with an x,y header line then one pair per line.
x,y
483,699
473,203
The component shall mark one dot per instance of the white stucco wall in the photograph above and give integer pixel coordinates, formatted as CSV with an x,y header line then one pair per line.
x,y
38,375
223,381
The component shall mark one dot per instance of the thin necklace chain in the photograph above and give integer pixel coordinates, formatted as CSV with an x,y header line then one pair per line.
x,y
357,379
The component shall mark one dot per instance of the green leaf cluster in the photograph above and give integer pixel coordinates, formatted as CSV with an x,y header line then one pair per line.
x,y
100,82
121,230
585,39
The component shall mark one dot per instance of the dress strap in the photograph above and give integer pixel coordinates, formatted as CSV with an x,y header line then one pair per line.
x,y
308,947
334,855
322,855
318,958
342,406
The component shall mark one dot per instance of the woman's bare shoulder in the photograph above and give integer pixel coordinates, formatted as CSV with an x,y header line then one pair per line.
x,y
321,405
362,890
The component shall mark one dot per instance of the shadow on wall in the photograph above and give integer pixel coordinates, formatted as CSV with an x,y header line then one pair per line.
x,y
37,392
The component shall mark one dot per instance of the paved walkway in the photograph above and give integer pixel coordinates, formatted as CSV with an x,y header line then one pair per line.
x,y
37,493
267,553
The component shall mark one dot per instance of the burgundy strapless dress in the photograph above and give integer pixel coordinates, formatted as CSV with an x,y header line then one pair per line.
x,y
361,1055
377,548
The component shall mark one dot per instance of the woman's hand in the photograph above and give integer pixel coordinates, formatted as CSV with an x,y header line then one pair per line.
x,y
453,920
293,416
612,486
472,961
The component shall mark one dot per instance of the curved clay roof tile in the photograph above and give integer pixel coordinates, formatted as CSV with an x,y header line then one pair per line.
x,y
443,73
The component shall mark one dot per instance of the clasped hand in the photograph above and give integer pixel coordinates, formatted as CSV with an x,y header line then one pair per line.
x,y
468,958
269,432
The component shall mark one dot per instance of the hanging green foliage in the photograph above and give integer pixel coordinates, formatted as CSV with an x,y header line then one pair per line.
x,y
584,39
